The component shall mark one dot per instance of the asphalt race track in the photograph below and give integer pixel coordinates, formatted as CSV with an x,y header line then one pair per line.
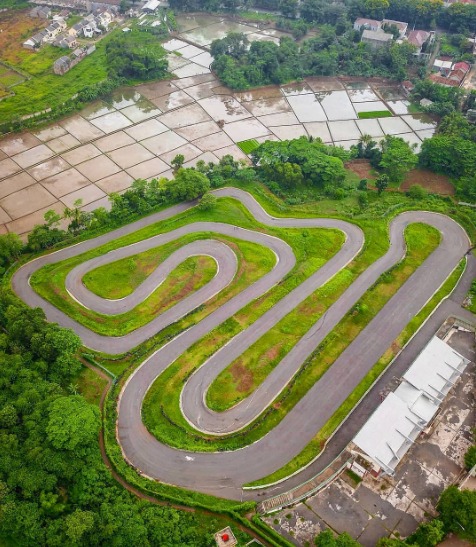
x,y
224,473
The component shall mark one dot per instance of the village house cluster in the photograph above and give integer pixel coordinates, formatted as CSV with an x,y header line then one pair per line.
x,y
377,33
58,34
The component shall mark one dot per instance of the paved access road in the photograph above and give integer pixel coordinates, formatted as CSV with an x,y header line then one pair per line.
x,y
224,473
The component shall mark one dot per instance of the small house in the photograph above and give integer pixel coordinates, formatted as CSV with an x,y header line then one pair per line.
x,y
401,26
443,66
418,38
376,39
368,24
61,65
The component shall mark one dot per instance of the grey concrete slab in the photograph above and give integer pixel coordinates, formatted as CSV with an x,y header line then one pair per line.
x,y
81,129
49,133
406,526
192,69
185,116
176,99
163,143
48,168
344,131
260,94
124,96
152,90
65,182
98,168
18,143
307,108
319,130
420,122
8,167
393,126
373,106
148,169
282,118
372,533
80,154
207,157
111,122
146,129
16,182
339,511
102,202
191,81
63,143
263,107
290,90
96,109
337,105
236,152
425,134
201,91
130,155
112,142
318,84
188,51
33,155
26,223
245,129
4,217
370,127
87,194
140,112
362,95
27,201
198,130
188,150
115,183
175,61
213,142
285,132
224,107
346,144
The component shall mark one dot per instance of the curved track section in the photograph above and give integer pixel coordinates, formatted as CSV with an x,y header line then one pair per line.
x,y
224,473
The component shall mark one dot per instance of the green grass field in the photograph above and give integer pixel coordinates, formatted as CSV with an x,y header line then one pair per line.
x,y
248,146
46,89
375,114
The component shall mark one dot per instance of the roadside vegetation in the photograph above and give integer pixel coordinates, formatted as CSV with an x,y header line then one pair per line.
x,y
141,58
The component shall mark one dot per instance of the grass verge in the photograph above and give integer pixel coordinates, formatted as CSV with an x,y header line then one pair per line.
x,y
313,449
161,411
374,114
248,146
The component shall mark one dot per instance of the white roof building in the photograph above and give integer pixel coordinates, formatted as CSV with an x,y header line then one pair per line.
x,y
396,423
151,5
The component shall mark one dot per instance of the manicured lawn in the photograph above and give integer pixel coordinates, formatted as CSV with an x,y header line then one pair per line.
x,y
375,114
248,146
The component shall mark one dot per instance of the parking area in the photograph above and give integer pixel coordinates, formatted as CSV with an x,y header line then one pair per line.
x,y
374,508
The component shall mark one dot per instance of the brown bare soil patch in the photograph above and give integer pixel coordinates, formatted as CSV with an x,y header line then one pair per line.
x,y
436,184
361,167
15,28
242,376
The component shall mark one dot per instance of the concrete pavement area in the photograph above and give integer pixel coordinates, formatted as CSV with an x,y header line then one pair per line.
x,y
395,505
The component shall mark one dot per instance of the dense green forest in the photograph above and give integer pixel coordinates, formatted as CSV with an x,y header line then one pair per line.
x,y
240,65
54,487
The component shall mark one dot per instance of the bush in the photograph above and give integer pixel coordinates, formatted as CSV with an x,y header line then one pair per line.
x,y
416,192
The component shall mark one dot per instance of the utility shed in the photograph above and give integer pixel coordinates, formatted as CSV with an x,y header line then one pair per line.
x,y
396,423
